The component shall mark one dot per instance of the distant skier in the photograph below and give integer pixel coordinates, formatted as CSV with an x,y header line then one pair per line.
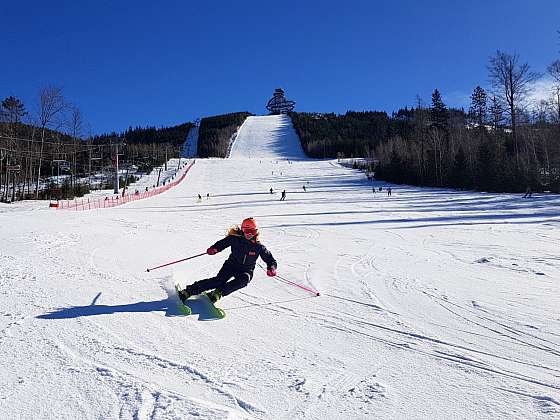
x,y
199,197
528,192
304,189
207,196
373,190
246,248
283,198
389,191
271,191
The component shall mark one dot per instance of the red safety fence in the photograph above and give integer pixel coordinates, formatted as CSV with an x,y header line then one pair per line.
x,y
101,203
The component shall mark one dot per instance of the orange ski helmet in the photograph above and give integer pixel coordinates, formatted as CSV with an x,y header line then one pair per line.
x,y
249,226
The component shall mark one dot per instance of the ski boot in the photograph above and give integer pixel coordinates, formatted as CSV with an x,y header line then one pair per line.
x,y
214,295
184,295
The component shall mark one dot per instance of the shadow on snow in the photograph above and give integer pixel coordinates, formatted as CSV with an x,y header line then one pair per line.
x,y
169,306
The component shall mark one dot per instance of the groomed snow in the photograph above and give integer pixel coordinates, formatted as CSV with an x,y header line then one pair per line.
x,y
434,304
272,137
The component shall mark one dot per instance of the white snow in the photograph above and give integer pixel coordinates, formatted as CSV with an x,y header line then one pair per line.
x,y
190,146
146,180
434,304
272,137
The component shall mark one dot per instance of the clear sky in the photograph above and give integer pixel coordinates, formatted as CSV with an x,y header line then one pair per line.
x,y
161,63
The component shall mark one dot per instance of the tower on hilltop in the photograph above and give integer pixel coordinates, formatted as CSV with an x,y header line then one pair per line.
x,y
278,104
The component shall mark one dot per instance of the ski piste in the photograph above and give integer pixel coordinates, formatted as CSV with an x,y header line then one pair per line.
x,y
186,309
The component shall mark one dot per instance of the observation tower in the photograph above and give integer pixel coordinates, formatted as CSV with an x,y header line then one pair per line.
x,y
278,104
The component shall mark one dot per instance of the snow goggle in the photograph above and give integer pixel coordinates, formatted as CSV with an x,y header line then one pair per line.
x,y
252,232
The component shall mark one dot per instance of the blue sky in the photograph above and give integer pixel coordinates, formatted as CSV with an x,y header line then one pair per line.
x,y
129,63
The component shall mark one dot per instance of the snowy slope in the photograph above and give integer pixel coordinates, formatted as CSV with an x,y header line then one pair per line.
x,y
190,146
271,137
434,304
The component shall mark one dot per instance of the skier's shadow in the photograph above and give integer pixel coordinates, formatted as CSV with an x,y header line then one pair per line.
x,y
163,305
168,305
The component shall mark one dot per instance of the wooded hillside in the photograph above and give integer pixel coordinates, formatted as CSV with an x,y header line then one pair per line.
x,y
215,132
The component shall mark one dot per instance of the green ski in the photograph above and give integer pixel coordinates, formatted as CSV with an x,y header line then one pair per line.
x,y
203,298
218,312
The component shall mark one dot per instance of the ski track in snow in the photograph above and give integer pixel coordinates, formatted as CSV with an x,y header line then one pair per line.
x,y
434,303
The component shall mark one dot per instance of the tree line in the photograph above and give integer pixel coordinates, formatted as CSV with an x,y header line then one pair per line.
x,y
215,133
502,143
331,135
175,135
49,154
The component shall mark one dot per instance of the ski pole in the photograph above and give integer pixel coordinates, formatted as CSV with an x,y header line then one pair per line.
x,y
175,262
282,279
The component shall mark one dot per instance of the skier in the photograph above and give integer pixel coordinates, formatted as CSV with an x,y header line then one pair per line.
x,y
246,248
304,189
528,192
283,198
389,191
271,191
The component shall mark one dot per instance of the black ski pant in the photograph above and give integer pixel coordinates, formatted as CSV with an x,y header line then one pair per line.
x,y
241,278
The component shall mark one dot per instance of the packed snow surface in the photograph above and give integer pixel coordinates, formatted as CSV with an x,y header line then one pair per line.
x,y
434,304
270,137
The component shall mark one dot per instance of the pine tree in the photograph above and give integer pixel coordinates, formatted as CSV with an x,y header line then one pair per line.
x,y
439,116
487,160
459,175
13,109
478,108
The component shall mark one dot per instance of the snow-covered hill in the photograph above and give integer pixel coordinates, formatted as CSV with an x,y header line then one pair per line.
x,y
270,137
190,146
434,304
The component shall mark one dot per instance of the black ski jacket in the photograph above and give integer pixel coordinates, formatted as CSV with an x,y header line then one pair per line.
x,y
244,253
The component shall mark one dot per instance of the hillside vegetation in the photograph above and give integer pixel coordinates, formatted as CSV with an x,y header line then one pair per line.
x,y
331,135
215,133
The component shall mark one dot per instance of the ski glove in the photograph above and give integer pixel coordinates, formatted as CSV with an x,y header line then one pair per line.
x,y
271,272
211,251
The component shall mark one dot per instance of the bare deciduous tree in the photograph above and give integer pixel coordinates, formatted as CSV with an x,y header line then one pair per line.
x,y
51,104
512,81
554,71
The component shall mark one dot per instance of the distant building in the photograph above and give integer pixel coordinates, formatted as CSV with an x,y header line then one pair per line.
x,y
278,104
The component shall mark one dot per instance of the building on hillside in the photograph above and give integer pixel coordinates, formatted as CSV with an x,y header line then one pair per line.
x,y
278,104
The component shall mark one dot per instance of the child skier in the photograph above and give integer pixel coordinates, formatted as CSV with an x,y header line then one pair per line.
x,y
245,250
